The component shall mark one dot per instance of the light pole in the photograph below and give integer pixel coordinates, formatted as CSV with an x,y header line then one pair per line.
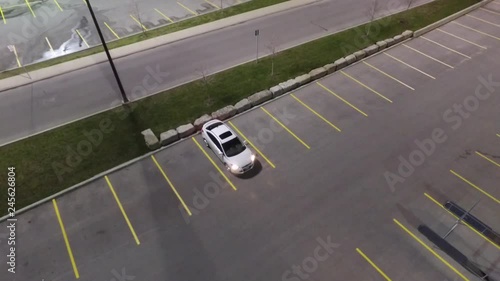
x,y
110,59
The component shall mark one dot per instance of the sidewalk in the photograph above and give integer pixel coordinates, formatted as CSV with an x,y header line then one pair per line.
x,y
52,71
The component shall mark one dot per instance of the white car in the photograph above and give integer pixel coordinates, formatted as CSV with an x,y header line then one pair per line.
x,y
228,147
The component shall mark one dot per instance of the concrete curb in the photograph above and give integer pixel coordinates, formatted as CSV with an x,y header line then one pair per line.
x,y
448,19
81,63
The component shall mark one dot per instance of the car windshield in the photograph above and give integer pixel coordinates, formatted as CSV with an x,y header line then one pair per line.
x,y
233,147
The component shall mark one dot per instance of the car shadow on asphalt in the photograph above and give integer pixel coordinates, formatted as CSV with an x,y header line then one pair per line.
x,y
257,168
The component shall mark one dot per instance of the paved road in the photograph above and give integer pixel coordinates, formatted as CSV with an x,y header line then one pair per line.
x,y
46,31
49,103
326,195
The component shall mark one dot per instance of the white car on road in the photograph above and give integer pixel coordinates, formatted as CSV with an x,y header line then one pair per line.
x,y
228,147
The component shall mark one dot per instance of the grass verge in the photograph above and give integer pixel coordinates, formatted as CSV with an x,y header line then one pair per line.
x,y
184,24
40,159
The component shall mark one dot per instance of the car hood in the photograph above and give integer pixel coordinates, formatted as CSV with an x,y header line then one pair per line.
x,y
242,159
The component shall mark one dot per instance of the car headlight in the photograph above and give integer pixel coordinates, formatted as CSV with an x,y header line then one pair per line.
x,y
234,167
252,157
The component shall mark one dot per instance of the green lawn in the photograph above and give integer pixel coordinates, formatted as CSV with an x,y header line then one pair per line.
x,y
198,20
35,158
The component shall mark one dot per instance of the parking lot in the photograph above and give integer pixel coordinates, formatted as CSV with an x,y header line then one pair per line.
x,y
348,168
42,30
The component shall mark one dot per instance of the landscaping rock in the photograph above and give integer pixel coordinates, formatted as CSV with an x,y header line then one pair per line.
x,y
277,91
381,45
340,63
260,97
398,38
389,42
359,54
289,85
151,139
303,79
242,105
407,34
318,73
169,137
198,123
370,50
330,68
186,130
224,112
350,59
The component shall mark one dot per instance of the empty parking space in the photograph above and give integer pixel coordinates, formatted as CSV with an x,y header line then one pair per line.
x,y
40,246
93,223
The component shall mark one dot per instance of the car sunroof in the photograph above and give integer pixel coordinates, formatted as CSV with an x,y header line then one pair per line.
x,y
225,135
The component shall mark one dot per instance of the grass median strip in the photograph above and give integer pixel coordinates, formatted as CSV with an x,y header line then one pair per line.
x,y
60,158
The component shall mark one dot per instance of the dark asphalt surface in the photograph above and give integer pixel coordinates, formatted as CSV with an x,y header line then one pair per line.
x,y
335,191
65,98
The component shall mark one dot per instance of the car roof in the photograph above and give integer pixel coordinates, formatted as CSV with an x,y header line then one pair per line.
x,y
220,130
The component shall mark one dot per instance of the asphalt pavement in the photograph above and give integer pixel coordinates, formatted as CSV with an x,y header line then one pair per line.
x,y
42,30
50,103
348,168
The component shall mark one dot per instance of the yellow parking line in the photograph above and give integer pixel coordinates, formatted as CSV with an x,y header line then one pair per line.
x,y
386,74
66,241
458,37
29,6
17,56
468,225
139,23
339,97
373,264
212,4
475,186
478,31
171,185
189,10
83,39
316,113
430,250
85,1
123,211
59,6
213,163
447,48
491,161
48,42
485,21
3,17
432,58
486,10
112,31
498,135
258,151
410,66
284,127
370,89
165,16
